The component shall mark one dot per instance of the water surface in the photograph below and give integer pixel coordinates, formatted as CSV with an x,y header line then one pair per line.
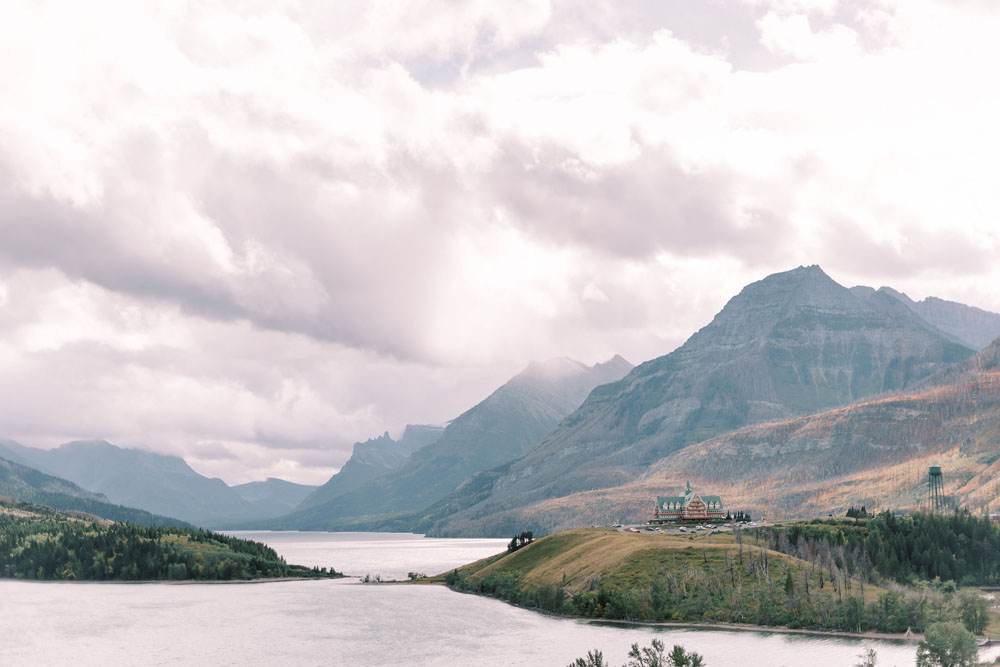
x,y
343,622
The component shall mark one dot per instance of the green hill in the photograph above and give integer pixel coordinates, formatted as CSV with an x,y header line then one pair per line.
x,y
38,542
714,578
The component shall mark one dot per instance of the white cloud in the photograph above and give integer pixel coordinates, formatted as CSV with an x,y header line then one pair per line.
x,y
261,229
793,35
824,7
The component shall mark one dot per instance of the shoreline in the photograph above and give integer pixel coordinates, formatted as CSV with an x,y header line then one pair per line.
x,y
741,627
690,625
170,582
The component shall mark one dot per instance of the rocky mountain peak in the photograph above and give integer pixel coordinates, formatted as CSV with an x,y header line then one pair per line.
x,y
616,364
551,370
763,305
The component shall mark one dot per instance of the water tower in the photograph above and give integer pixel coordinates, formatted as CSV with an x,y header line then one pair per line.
x,y
935,488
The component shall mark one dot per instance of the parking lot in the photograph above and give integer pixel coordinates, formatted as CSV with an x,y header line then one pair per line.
x,y
694,529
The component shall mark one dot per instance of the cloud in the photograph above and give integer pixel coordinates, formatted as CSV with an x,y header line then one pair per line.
x,y
793,35
273,231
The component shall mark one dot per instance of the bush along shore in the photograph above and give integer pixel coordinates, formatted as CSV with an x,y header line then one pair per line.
x,y
38,542
813,576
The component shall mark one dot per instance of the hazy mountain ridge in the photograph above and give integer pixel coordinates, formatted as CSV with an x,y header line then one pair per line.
x,y
24,483
273,496
17,479
157,483
371,459
974,326
767,369
502,427
791,344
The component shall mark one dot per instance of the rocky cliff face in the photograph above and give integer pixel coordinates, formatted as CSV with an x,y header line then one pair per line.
x,y
501,428
372,459
791,344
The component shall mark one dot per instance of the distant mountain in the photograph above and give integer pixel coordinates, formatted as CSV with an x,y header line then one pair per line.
x,y
23,483
19,481
973,326
373,458
154,482
794,343
273,497
501,428
16,452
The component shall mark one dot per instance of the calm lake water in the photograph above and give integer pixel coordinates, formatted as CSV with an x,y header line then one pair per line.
x,y
344,622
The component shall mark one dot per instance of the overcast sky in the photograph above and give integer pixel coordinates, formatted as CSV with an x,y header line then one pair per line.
x,y
252,233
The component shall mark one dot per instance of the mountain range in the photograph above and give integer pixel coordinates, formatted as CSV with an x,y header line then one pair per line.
x,y
502,427
23,483
157,483
799,395
873,452
373,458
794,343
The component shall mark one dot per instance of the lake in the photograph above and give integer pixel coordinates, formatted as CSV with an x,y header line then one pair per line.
x,y
344,622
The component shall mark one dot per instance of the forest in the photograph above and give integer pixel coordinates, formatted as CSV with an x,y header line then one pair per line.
x,y
40,543
958,547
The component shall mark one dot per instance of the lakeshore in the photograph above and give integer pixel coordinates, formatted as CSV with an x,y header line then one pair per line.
x,y
336,621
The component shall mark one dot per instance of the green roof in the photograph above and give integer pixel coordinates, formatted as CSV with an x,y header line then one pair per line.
x,y
682,501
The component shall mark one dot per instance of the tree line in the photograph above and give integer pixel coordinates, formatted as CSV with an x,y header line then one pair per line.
x,y
60,547
958,547
746,585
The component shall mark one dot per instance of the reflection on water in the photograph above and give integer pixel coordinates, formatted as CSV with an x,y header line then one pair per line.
x,y
344,622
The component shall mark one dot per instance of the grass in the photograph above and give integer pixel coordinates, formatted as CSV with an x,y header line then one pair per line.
x,y
574,559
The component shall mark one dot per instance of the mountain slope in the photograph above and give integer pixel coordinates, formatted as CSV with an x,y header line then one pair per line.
x,y
373,458
974,326
154,482
27,484
874,453
502,427
273,497
793,343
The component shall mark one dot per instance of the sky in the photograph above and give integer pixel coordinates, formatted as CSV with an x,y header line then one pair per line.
x,y
253,233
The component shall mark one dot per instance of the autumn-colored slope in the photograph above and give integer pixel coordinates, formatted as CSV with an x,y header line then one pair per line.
x,y
875,452
574,559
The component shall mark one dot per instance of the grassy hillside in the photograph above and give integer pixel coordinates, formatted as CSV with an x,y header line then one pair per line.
x,y
602,573
38,542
